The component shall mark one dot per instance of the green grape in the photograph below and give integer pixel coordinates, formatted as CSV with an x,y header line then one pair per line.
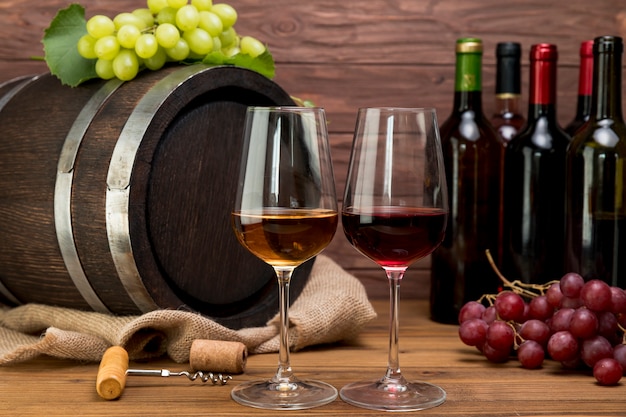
x,y
199,40
226,12
167,35
126,65
104,69
187,18
123,19
251,46
217,44
156,6
146,46
177,4
180,52
127,36
146,15
86,45
157,61
107,47
229,37
166,15
100,26
231,51
202,4
211,23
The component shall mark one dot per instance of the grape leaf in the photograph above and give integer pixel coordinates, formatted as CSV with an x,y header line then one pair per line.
x,y
61,54
263,64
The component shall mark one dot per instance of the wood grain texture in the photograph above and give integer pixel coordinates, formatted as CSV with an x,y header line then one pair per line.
x,y
350,54
429,352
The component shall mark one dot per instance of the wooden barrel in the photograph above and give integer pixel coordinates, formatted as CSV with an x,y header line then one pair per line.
x,y
116,197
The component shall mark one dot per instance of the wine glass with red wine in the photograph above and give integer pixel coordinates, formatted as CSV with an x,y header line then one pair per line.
x,y
285,213
395,212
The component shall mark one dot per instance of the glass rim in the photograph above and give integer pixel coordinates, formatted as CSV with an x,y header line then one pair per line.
x,y
287,108
400,109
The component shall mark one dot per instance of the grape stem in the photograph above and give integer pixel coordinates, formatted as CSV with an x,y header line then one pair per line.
x,y
517,286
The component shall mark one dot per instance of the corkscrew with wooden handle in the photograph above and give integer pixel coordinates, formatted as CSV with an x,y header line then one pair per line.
x,y
204,354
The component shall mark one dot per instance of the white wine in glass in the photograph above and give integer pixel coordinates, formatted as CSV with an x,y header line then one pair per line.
x,y
395,212
285,213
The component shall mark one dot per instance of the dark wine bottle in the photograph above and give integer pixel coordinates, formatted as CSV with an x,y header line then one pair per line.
x,y
596,176
508,118
534,181
471,148
585,80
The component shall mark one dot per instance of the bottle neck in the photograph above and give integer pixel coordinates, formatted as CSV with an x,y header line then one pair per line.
x,y
508,104
606,102
585,81
542,96
468,82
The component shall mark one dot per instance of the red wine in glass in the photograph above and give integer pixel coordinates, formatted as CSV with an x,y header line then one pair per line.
x,y
394,236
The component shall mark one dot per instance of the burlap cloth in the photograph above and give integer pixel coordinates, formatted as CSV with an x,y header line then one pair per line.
x,y
333,306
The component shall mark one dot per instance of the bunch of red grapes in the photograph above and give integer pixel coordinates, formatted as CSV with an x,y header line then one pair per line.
x,y
579,324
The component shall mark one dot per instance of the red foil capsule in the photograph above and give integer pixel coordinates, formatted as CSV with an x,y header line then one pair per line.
x,y
543,65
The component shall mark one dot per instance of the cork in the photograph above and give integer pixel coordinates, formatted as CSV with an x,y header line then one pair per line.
x,y
218,356
112,373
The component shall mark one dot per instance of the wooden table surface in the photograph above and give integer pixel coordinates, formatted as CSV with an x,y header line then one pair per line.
x,y
429,352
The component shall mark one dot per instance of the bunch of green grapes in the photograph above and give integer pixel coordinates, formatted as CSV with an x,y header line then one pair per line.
x,y
164,31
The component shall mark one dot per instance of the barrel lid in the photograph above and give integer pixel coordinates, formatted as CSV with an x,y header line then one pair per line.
x,y
182,195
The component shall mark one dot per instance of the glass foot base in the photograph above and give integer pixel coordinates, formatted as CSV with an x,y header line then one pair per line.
x,y
389,396
293,395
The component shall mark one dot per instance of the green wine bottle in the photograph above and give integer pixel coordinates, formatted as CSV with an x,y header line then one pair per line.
x,y
596,175
471,149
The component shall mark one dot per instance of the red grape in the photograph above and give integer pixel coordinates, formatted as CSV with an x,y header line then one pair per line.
x,y
596,295
561,319
500,336
584,323
471,310
594,349
495,355
618,300
571,284
490,315
473,332
554,295
530,354
535,330
510,306
539,308
608,371
619,354
607,324
562,346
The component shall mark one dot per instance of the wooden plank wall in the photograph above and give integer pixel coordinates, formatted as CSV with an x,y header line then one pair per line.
x,y
353,53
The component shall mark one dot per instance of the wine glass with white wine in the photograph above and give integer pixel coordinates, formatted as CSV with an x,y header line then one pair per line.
x,y
285,213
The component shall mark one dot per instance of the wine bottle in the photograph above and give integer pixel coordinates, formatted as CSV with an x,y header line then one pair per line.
x,y
460,270
585,79
508,118
596,176
534,181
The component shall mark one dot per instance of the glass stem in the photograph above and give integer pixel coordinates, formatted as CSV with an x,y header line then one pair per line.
x,y
284,372
393,365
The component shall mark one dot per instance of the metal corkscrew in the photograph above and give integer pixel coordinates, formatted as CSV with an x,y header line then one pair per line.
x,y
216,379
